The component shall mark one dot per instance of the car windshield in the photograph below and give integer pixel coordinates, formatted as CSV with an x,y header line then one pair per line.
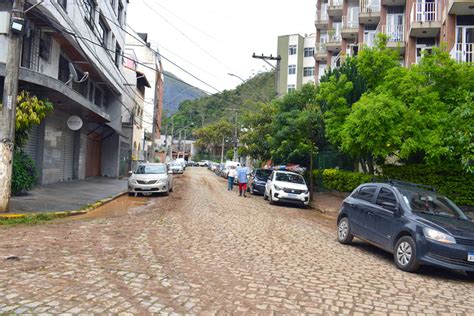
x,y
175,164
263,173
144,169
431,203
289,177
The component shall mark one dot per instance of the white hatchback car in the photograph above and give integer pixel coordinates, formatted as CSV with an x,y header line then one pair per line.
x,y
286,186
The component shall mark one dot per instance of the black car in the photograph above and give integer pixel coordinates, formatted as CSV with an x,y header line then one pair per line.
x,y
257,180
415,223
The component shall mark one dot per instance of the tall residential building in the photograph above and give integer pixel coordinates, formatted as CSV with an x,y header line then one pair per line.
x,y
297,62
72,55
343,27
149,64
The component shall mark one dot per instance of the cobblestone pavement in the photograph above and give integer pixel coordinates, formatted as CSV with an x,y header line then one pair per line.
x,y
205,250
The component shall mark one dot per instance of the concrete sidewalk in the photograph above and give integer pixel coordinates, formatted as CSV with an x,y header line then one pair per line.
x,y
327,203
67,196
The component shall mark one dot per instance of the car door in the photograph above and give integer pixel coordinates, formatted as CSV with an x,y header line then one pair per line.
x,y
360,207
384,220
269,183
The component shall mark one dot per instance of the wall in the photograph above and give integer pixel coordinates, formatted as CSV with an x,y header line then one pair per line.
x,y
110,156
309,61
283,43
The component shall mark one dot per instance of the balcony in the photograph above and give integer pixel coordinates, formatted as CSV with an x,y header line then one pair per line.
x,y
322,19
334,40
335,8
321,52
461,7
396,36
350,28
369,12
393,2
425,19
463,52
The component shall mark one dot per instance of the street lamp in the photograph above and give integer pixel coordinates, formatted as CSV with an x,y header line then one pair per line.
x,y
234,75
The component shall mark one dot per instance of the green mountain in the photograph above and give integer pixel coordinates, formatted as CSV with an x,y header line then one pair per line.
x,y
176,91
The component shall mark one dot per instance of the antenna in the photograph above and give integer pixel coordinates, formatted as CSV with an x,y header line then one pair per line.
x,y
73,75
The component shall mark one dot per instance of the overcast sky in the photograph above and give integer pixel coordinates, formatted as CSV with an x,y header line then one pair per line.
x,y
211,38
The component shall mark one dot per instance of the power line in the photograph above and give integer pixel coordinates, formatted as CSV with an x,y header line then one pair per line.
x,y
187,37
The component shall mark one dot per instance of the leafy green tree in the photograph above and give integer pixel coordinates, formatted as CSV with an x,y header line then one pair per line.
x,y
29,111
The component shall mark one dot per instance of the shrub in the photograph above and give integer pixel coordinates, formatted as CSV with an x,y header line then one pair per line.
x,y
24,173
340,180
449,179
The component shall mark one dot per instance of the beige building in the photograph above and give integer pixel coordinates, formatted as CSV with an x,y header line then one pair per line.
x,y
343,27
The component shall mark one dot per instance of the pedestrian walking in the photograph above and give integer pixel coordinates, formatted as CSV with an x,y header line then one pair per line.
x,y
242,178
231,178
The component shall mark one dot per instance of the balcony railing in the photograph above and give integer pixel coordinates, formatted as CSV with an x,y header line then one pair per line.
x,y
369,6
322,16
334,35
424,12
395,33
335,3
349,24
464,52
321,48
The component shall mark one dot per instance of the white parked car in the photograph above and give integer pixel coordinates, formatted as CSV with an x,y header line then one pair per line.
x,y
150,178
176,167
286,186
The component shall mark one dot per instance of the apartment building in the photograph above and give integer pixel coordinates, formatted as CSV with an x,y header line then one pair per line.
x,y
297,62
343,27
72,55
150,66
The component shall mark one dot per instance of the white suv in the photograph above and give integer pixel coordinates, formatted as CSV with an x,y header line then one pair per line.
x,y
286,186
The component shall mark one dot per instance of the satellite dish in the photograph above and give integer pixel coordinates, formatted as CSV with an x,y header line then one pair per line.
x,y
73,75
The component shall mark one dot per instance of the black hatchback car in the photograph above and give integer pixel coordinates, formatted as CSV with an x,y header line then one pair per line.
x,y
416,224
257,180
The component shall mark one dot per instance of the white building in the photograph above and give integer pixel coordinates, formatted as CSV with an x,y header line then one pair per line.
x,y
297,61
62,37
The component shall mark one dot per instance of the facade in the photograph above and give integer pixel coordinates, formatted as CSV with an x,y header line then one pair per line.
x,y
72,55
297,62
151,67
343,27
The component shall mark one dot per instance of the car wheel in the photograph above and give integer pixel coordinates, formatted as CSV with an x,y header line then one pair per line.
x,y
405,254
470,275
344,235
271,198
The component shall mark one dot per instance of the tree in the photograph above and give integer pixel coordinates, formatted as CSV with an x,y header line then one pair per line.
x,y
297,129
214,134
29,111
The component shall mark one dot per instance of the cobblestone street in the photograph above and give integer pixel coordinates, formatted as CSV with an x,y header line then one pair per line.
x,y
205,250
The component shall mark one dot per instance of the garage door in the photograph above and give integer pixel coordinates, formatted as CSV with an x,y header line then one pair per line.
x,y
65,143
93,160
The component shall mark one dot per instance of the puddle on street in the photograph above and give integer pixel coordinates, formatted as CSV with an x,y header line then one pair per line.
x,y
118,207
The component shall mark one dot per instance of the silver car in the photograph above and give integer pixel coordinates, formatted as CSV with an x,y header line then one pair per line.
x,y
177,167
150,178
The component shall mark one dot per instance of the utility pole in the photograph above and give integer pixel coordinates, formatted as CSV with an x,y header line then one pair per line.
x,y
236,141
170,145
277,68
184,145
8,112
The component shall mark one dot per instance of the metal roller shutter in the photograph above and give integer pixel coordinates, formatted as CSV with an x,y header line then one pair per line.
x,y
31,147
68,154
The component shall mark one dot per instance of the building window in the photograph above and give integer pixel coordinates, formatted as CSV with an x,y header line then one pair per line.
x,y
45,45
63,72
98,97
292,50
103,31
291,88
63,3
292,69
120,13
118,55
308,51
308,71
90,7
424,45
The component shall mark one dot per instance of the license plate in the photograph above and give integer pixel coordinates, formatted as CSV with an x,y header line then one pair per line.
x,y
470,256
292,196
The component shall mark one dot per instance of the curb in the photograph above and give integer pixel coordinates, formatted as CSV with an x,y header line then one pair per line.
x,y
59,214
